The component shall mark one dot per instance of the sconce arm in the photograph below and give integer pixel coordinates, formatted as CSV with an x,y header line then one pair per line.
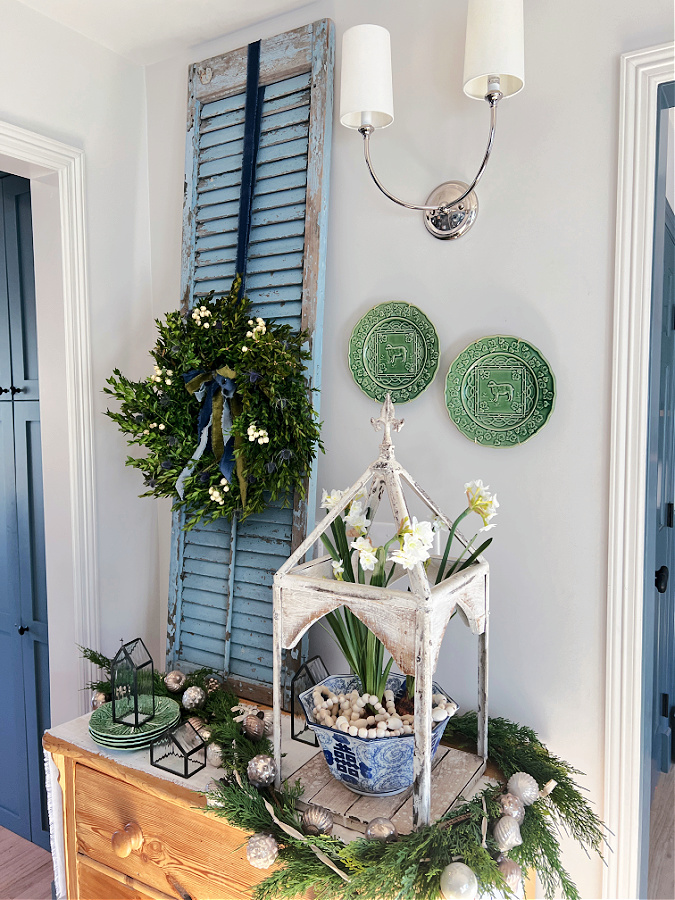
x,y
493,99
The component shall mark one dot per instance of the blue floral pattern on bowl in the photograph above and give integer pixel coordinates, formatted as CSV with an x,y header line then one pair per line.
x,y
382,766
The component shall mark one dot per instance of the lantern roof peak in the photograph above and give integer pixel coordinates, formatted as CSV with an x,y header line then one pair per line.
x,y
387,422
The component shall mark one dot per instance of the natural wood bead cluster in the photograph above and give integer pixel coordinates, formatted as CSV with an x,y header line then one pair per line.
x,y
348,713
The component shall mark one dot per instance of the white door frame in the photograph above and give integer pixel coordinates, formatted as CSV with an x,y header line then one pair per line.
x,y
56,172
642,72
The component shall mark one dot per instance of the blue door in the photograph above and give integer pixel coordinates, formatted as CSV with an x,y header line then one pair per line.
x,y
664,650
24,700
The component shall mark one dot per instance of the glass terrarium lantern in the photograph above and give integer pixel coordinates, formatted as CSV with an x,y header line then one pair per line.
x,y
180,751
310,673
132,677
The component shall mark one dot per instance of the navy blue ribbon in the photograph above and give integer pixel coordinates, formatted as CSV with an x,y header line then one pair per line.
x,y
212,384
254,105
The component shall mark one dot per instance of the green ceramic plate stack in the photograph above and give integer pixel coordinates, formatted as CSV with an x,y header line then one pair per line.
x,y
125,737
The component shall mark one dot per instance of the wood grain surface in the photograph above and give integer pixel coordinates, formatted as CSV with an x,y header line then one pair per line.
x,y
25,869
181,847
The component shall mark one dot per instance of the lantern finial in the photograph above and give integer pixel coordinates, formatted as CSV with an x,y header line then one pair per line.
x,y
387,421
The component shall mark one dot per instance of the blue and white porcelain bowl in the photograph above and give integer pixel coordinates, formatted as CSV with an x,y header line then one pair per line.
x,y
382,766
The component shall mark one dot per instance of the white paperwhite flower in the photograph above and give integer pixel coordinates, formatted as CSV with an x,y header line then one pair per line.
x,y
368,558
162,426
357,519
411,551
328,501
481,501
167,381
423,532
338,570
244,349
362,544
437,524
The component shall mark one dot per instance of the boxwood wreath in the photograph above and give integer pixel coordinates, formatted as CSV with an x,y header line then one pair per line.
x,y
409,868
226,419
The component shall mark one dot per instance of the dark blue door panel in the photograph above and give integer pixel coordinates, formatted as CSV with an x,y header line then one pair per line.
x,y
24,700
14,795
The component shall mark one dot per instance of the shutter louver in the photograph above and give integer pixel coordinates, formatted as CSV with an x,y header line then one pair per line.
x,y
220,607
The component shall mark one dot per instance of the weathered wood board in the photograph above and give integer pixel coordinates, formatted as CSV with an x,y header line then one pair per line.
x,y
454,773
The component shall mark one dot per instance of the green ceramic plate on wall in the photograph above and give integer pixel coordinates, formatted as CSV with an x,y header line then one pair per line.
x,y
500,391
394,350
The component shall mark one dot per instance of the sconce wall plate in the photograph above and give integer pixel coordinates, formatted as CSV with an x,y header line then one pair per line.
x,y
500,391
448,221
394,349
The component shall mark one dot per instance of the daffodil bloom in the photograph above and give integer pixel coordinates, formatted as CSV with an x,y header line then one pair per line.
x,y
481,501
328,501
423,532
357,520
338,570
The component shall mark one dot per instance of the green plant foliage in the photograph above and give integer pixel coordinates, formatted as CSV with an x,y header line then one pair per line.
x,y
410,868
160,415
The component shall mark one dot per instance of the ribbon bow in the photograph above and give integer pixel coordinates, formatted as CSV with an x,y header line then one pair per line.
x,y
215,391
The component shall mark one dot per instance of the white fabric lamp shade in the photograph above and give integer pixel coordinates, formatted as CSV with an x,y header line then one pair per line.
x,y
366,96
494,46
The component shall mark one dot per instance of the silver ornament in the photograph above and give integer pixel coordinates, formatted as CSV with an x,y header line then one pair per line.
x,y
174,680
511,873
507,834
317,820
261,770
214,755
524,787
98,698
262,850
194,697
512,806
458,882
253,727
381,829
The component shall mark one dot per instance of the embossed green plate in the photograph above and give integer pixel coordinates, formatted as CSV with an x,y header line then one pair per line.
x,y
500,391
394,350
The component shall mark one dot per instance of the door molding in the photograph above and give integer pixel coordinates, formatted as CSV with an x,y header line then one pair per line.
x,y
38,157
642,72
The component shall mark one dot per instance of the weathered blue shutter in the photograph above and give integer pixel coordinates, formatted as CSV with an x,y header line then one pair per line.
x,y
220,603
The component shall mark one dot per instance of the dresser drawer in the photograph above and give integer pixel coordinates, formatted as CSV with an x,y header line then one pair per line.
x,y
183,852
95,884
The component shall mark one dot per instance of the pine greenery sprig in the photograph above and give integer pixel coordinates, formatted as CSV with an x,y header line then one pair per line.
x,y
410,868
160,415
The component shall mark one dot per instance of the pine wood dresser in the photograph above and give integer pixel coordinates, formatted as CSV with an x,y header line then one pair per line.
x,y
132,831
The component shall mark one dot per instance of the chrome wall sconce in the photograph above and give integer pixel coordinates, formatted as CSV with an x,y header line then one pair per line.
x,y
493,70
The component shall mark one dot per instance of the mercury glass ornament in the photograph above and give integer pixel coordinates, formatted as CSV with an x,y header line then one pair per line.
x,y
194,697
381,829
512,806
253,727
174,680
507,834
98,698
317,820
458,882
262,850
214,755
511,873
524,787
261,770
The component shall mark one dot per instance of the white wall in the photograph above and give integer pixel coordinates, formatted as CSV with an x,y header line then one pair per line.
x,y
62,85
537,264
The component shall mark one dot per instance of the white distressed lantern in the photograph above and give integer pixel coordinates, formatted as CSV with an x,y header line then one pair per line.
x,y
410,623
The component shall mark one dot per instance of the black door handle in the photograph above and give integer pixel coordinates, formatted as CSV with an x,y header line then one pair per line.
x,y
23,629
4,390
661,580
15,390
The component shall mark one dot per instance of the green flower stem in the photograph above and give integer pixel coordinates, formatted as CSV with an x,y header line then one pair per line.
x,y
483,547
331,549
451,536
